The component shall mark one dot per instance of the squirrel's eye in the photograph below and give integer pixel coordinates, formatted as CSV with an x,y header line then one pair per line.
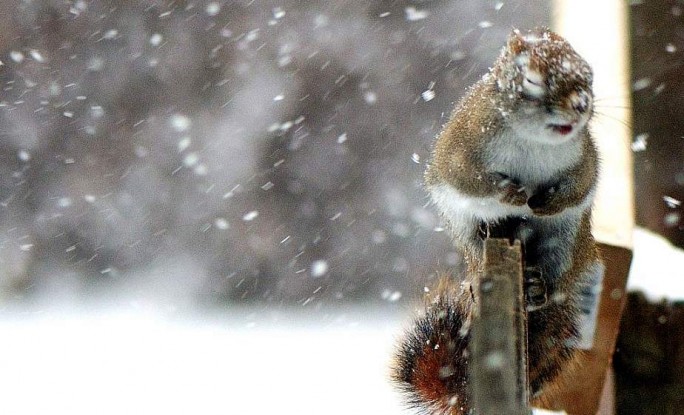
x,y
535,82
533,87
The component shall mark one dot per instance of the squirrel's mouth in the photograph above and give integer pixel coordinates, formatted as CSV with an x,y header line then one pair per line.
x,y
562,129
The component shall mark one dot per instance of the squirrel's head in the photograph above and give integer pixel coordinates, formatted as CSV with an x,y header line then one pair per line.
x,y
546,86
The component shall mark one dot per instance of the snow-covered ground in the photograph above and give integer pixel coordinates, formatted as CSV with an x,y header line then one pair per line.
x,y
657,267
244,361
132,364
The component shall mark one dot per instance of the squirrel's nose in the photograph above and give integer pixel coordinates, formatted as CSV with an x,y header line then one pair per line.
x,y
579,101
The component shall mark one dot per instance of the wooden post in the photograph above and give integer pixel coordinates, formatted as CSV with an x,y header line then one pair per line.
x,y
598,30
498,346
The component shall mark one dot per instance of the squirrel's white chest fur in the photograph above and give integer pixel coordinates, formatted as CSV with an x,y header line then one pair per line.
x,y
533,164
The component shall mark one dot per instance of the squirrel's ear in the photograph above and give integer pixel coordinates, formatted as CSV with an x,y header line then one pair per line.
x,y
516,42
547,33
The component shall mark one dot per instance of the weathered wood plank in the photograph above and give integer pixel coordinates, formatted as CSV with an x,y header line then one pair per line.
x,y
498,348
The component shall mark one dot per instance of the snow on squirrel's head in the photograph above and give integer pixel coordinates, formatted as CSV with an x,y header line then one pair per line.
x,y
545,85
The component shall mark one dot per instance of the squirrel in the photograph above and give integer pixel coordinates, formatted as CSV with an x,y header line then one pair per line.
x,y
516,153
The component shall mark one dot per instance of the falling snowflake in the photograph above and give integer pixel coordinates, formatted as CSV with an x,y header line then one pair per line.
x,y
183,144
16,56
37,56
24,155
96,111
156,39
370,97
221,223
319,268
413,14
428,95
641,83
671,202
180,122
64,202
640,142
190,160
391,296
250,216
213,8
671,219
111,34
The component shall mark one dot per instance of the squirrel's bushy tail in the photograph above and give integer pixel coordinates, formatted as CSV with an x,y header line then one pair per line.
x,y
431,362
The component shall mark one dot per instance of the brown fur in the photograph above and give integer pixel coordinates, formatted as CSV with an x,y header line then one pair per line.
x,y
431,362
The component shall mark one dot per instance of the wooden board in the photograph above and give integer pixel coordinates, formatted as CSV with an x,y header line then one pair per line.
x,y
588,390
498,346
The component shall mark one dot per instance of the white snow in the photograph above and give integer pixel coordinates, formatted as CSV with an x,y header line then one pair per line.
x,y
278,13
24,155
640,142
64,202
111,34
671,202
37,56
671,219
657,267
641,83
213,8
319,268
180,122
97,111
156,39
428,95
370,97
413,14
391,296
16,56
135,363
221,223
184,143
250,216
190,160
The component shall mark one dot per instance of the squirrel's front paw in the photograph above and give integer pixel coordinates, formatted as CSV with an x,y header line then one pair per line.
x,y
512,192
514,195
545,203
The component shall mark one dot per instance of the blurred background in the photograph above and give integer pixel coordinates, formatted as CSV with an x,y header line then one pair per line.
x,y
199,153
198,157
